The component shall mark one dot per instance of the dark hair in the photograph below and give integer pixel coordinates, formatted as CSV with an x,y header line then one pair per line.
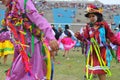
x,y
66,27
52,25
66,31
99,18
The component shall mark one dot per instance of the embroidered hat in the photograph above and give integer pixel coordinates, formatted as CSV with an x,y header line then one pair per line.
x,y
92,9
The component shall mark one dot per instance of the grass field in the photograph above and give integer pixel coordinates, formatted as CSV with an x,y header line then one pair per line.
x,y
71,68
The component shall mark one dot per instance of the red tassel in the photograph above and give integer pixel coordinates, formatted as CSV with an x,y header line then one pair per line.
x,y
24,55
8,72
11,26
25,61
22,52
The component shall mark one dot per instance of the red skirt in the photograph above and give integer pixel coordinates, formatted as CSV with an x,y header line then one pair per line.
x,y
96,67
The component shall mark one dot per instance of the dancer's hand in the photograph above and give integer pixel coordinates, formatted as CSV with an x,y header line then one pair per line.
x,y
53,45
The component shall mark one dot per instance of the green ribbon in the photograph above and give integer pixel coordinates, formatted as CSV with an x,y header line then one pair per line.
x,y
25,1
114,55
102,63
6,49
32,39
32,36
87,63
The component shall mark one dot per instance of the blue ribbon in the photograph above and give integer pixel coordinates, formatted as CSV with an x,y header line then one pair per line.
x,y
103,40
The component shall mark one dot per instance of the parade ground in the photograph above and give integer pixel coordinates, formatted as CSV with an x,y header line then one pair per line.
x,y
71,67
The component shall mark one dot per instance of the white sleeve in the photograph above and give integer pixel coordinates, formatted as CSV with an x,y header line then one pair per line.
x,y
81,30
71,32
53,32
62,35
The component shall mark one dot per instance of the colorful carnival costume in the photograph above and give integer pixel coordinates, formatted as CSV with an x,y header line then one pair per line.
x,y
98,55
6,46
66,42
32,61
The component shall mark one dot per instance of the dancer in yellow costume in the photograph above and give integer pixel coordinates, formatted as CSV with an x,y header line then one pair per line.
x,y
6,46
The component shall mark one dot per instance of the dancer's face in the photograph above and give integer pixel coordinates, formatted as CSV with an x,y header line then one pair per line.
x,y
92,17
5,2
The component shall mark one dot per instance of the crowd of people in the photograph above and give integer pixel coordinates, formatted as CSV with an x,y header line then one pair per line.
x,y
78,5
109,11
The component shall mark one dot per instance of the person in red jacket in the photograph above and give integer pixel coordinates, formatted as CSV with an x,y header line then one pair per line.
x,y
95,36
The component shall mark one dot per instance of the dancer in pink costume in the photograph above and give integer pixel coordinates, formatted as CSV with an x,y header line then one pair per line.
x,y
66,40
